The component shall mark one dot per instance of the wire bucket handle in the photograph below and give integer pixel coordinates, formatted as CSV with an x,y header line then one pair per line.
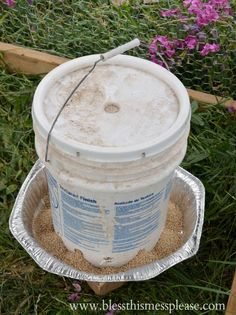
x,y
103,57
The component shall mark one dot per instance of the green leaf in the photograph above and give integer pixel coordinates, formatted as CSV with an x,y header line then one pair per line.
x,y
18,174
194,106
2,18
2,184
11,189
197,120
197,157
233,263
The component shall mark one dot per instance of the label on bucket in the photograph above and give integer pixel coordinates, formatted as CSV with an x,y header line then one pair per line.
x,y
117,227
135,221
54,201
81,218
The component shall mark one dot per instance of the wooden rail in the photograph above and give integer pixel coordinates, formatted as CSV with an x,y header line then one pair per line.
x,y
29,61
231,306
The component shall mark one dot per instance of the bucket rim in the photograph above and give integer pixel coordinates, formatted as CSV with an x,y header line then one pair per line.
x,y
112,154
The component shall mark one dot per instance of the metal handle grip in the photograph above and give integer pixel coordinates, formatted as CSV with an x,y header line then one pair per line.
x,y
121,49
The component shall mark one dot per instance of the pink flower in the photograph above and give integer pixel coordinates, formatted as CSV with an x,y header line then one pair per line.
x,y
154,59
170,53
166,46
170,12
222,5
153,54
187,2
219,3
209,48
179,44
152,48
199,8
228,11
158,62
210,12
112,310
77,287
207,15
162,39
73,297
191,42
10,3
231,109
203,19
195,7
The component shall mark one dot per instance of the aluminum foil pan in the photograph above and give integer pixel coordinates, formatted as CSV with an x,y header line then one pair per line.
x,y
188,193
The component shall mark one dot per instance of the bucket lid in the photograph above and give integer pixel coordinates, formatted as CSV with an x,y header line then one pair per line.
x,y
126,109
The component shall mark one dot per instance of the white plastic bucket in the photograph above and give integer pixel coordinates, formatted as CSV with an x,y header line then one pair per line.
x,y
112,153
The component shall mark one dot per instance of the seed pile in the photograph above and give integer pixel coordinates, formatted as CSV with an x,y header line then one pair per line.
x,y
171,239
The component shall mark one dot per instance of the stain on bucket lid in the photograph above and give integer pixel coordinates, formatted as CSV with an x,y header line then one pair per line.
x,y
115,107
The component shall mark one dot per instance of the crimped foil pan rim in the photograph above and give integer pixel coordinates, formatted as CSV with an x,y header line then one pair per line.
x,y
51,264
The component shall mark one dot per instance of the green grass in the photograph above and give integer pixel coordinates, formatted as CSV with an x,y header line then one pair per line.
x,y
84,27
75,28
